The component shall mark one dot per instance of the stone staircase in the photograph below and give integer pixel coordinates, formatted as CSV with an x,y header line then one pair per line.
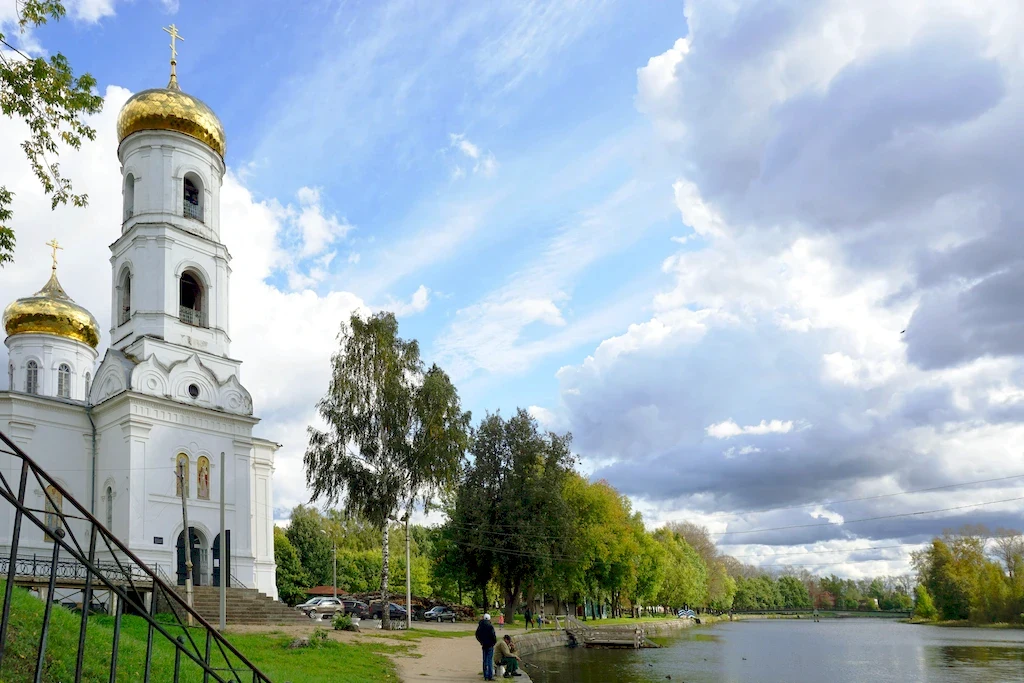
x,y
244,606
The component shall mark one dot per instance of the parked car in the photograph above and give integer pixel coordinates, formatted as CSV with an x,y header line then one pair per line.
x,y
439,614
396,611
326,607
356,608
302,607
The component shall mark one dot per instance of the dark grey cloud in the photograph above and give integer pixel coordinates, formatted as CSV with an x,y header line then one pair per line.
x,y
907,162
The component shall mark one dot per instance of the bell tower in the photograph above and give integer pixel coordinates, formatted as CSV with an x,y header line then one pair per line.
x,y
170,270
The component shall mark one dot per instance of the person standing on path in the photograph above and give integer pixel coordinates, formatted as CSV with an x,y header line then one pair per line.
x,y
529,618
487,638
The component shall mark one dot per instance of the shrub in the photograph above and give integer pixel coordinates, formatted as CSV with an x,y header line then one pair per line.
x,y
342,622
318,638
925,608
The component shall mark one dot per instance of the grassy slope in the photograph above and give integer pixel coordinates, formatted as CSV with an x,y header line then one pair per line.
x,y
332,662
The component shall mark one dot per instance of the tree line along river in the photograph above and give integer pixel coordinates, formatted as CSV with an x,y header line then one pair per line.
x,y
793,651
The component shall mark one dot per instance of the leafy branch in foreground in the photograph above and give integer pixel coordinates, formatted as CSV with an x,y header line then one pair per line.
x,y
47,96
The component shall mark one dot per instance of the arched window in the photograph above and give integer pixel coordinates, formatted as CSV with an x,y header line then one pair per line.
x,y
203,477
10,376
52,506
64,380
110,507
190,291
193,199
32,378
129,196
124,292
88,385
181,474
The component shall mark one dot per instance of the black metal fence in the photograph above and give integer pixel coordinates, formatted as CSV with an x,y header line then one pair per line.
x,y
79,540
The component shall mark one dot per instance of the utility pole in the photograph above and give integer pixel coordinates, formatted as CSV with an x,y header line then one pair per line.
x,y
408,577
335,555
223,549
189,599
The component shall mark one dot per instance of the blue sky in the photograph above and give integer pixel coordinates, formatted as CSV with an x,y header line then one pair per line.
x,y
691,235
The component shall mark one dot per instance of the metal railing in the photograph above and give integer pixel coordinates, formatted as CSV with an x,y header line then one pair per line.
x,y
127,579
40,566
191,316
193,211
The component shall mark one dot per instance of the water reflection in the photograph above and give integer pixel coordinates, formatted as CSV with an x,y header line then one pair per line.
x,y
842,651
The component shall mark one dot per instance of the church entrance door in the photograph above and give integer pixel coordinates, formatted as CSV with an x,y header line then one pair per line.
x,y
198,553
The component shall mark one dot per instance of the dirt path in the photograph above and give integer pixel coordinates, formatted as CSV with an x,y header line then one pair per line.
x,y
453,659
447,659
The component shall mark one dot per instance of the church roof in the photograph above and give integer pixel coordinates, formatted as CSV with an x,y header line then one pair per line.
x,y
171,109
51,311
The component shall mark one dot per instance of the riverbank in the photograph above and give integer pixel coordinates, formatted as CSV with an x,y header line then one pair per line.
x,y
961,623
448,652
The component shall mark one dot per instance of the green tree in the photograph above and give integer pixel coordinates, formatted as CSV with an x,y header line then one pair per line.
x,y
686,575
924,608
508,517
793,593
306,534
395,434
721,587
47,96
292,579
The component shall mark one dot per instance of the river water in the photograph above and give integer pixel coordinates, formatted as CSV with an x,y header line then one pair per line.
x,y
792,651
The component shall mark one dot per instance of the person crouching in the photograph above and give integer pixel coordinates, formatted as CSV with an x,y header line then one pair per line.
x,y
505,655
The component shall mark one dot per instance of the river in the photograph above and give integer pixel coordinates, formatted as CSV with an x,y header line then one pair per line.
x,y
792,651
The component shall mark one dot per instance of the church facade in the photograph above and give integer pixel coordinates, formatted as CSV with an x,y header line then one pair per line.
x,y
165,411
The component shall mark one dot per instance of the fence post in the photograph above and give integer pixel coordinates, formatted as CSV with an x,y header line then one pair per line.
x,y
12,565
55,536
86,606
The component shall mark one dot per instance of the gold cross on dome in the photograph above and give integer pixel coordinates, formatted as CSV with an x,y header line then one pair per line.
x,y
173,30
54,246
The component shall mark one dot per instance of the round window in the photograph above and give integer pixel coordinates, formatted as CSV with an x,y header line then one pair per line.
x,y
193,390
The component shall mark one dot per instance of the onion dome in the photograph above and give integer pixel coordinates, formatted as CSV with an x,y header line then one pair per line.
x,y
52,311
171,109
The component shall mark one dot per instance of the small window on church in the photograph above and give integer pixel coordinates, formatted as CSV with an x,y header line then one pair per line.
x,y
191,301
203,478
181,474
52,506
193,199
125,294
88,385
10,377
129,196
32,378
110,507
64,380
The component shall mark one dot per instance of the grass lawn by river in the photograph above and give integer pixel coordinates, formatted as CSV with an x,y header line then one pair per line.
x,y
961,623
332,661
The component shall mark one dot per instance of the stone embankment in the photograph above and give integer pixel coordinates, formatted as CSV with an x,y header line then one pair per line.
x,y
535,641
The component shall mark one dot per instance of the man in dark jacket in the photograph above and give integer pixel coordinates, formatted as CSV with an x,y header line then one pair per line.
x,y
487,638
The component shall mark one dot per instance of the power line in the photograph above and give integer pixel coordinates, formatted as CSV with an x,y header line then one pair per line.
x,y
824,552
857,500
868,519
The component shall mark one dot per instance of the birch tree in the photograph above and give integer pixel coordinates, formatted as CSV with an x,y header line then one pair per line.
x,y
46,95
395,434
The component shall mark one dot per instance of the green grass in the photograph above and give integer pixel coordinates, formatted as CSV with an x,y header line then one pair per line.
x,y
417,634
332,661
961,623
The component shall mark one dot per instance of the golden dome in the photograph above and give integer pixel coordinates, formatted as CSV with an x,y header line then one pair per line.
x,y
52,311
171,109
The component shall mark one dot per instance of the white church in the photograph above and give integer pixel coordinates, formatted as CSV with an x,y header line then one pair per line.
x,y
167,394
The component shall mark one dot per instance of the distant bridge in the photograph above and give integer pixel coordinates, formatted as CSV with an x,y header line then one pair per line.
x,y
831,613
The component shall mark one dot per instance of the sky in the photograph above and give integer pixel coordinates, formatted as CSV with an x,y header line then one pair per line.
x,y
762,258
